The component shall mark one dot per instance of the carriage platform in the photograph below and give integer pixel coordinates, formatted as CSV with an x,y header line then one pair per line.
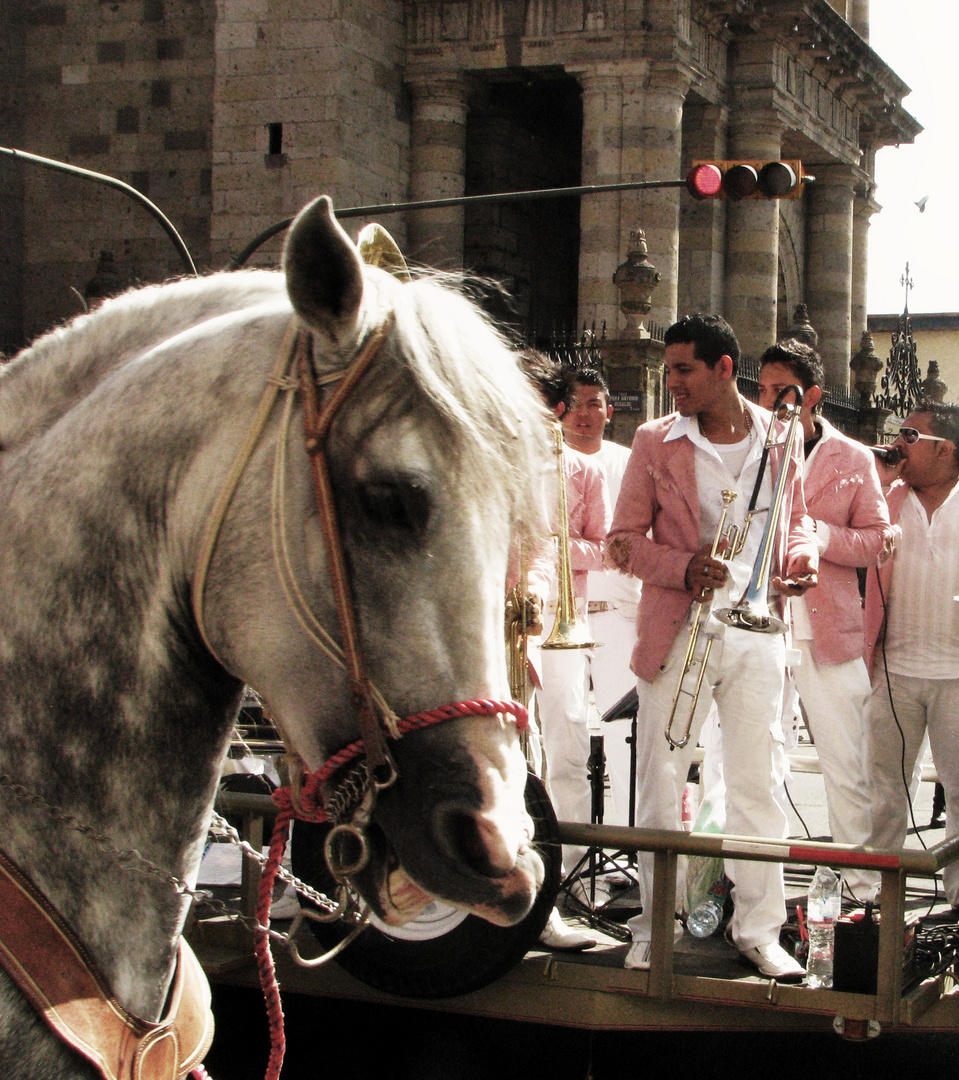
x,y
692,985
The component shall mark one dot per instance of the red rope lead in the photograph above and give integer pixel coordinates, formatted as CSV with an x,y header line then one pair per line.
x,y
477,707
311,808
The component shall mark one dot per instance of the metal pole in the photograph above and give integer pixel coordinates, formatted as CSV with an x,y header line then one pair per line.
x,y
111,181
460,200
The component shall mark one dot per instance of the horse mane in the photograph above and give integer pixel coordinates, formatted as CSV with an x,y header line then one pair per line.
x,y
455,368
468,380
59,369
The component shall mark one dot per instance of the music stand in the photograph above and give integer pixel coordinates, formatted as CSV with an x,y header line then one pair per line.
x,y
596,861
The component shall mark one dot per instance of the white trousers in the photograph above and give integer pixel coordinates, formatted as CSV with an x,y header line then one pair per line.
x,y
563,708
921,705
745,678
834,697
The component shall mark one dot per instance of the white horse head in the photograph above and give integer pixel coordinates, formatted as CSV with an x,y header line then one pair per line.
x,y
118,433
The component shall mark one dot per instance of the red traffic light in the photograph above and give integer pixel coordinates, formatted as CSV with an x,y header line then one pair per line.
x,y
746,180
705,181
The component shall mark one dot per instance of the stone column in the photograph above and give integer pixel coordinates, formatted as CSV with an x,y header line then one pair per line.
x,y
599,214
652,150
437,168
752,246
829,252
858,17
702,224
864,206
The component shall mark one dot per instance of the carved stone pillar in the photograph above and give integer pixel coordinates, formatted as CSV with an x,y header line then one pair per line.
x,y
599,214
865,367
829,271
702,224
864,206
652,150
752,249
635,280
858,17
437,168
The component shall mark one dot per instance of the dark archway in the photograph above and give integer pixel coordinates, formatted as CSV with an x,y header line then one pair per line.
x,y
523,132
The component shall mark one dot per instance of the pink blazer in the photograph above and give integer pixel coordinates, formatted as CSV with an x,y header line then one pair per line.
x,y
875,613
842,489
656,531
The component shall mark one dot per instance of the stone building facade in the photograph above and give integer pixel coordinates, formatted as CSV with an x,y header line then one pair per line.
x,y
230,114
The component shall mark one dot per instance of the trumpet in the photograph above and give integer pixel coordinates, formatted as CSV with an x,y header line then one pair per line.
x,y
569,630
518,612
751,611
699,617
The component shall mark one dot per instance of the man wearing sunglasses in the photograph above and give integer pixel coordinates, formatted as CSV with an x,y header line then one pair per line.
x,y
844,499
912,630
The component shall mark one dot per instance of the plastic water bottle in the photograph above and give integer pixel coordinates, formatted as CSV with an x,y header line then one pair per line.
x,y
705,918
824,907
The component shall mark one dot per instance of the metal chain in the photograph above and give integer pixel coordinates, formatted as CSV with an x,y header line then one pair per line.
x,y
132,860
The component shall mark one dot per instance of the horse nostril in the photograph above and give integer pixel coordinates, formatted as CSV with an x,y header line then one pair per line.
x,y
476,842
467,841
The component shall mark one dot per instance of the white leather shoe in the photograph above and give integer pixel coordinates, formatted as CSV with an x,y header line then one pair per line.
x,y
774,962
563,938
638,956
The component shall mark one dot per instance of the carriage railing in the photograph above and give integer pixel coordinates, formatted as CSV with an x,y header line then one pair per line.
x,y
888,1005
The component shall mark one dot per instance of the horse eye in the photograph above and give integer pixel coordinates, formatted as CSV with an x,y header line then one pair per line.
x,y
400,506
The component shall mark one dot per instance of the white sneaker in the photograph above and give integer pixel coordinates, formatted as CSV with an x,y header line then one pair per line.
x,y
638,956
563,938
774,962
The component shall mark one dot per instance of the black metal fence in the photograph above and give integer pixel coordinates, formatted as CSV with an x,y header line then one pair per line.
x,y
840,406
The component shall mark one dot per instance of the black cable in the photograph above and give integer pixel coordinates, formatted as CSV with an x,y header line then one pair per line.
x,y
902,737
895,716
796,811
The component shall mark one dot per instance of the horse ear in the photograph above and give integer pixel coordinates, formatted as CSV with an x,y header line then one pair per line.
x,y
324,274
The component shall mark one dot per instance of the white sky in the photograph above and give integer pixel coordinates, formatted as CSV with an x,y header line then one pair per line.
x,y
918,41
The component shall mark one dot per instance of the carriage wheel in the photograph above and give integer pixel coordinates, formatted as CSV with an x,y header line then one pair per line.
x,y
444,952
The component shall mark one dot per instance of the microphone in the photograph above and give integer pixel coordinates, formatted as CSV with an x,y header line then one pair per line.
x,y
888,455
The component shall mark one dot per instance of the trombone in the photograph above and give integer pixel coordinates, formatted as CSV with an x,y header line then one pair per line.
x,y
751,612
700,615
569,630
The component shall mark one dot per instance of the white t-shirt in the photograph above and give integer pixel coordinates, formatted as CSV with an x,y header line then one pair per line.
x,y
922,612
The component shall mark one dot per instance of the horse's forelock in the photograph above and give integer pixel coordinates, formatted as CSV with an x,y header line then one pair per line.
x,y
446,362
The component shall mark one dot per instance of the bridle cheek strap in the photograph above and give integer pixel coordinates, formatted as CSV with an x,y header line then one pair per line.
x,y
316,424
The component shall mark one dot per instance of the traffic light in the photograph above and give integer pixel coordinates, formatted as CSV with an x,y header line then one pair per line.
x,y
746,180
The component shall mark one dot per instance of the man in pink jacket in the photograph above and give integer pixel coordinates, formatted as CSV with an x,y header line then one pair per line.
x,y
912,631
845,502
663,528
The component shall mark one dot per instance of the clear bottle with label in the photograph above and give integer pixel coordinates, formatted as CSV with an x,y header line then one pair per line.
x,y
825,902
705,918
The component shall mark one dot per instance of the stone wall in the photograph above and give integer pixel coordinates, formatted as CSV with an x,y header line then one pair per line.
x,y
322,80
11,179
122,87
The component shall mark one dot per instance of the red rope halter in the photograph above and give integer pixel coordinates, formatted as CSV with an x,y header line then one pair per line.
x,y
311,808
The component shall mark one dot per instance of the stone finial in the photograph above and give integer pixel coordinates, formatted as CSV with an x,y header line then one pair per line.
x,y
933,388
801,328
635,280
866,366
106,280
